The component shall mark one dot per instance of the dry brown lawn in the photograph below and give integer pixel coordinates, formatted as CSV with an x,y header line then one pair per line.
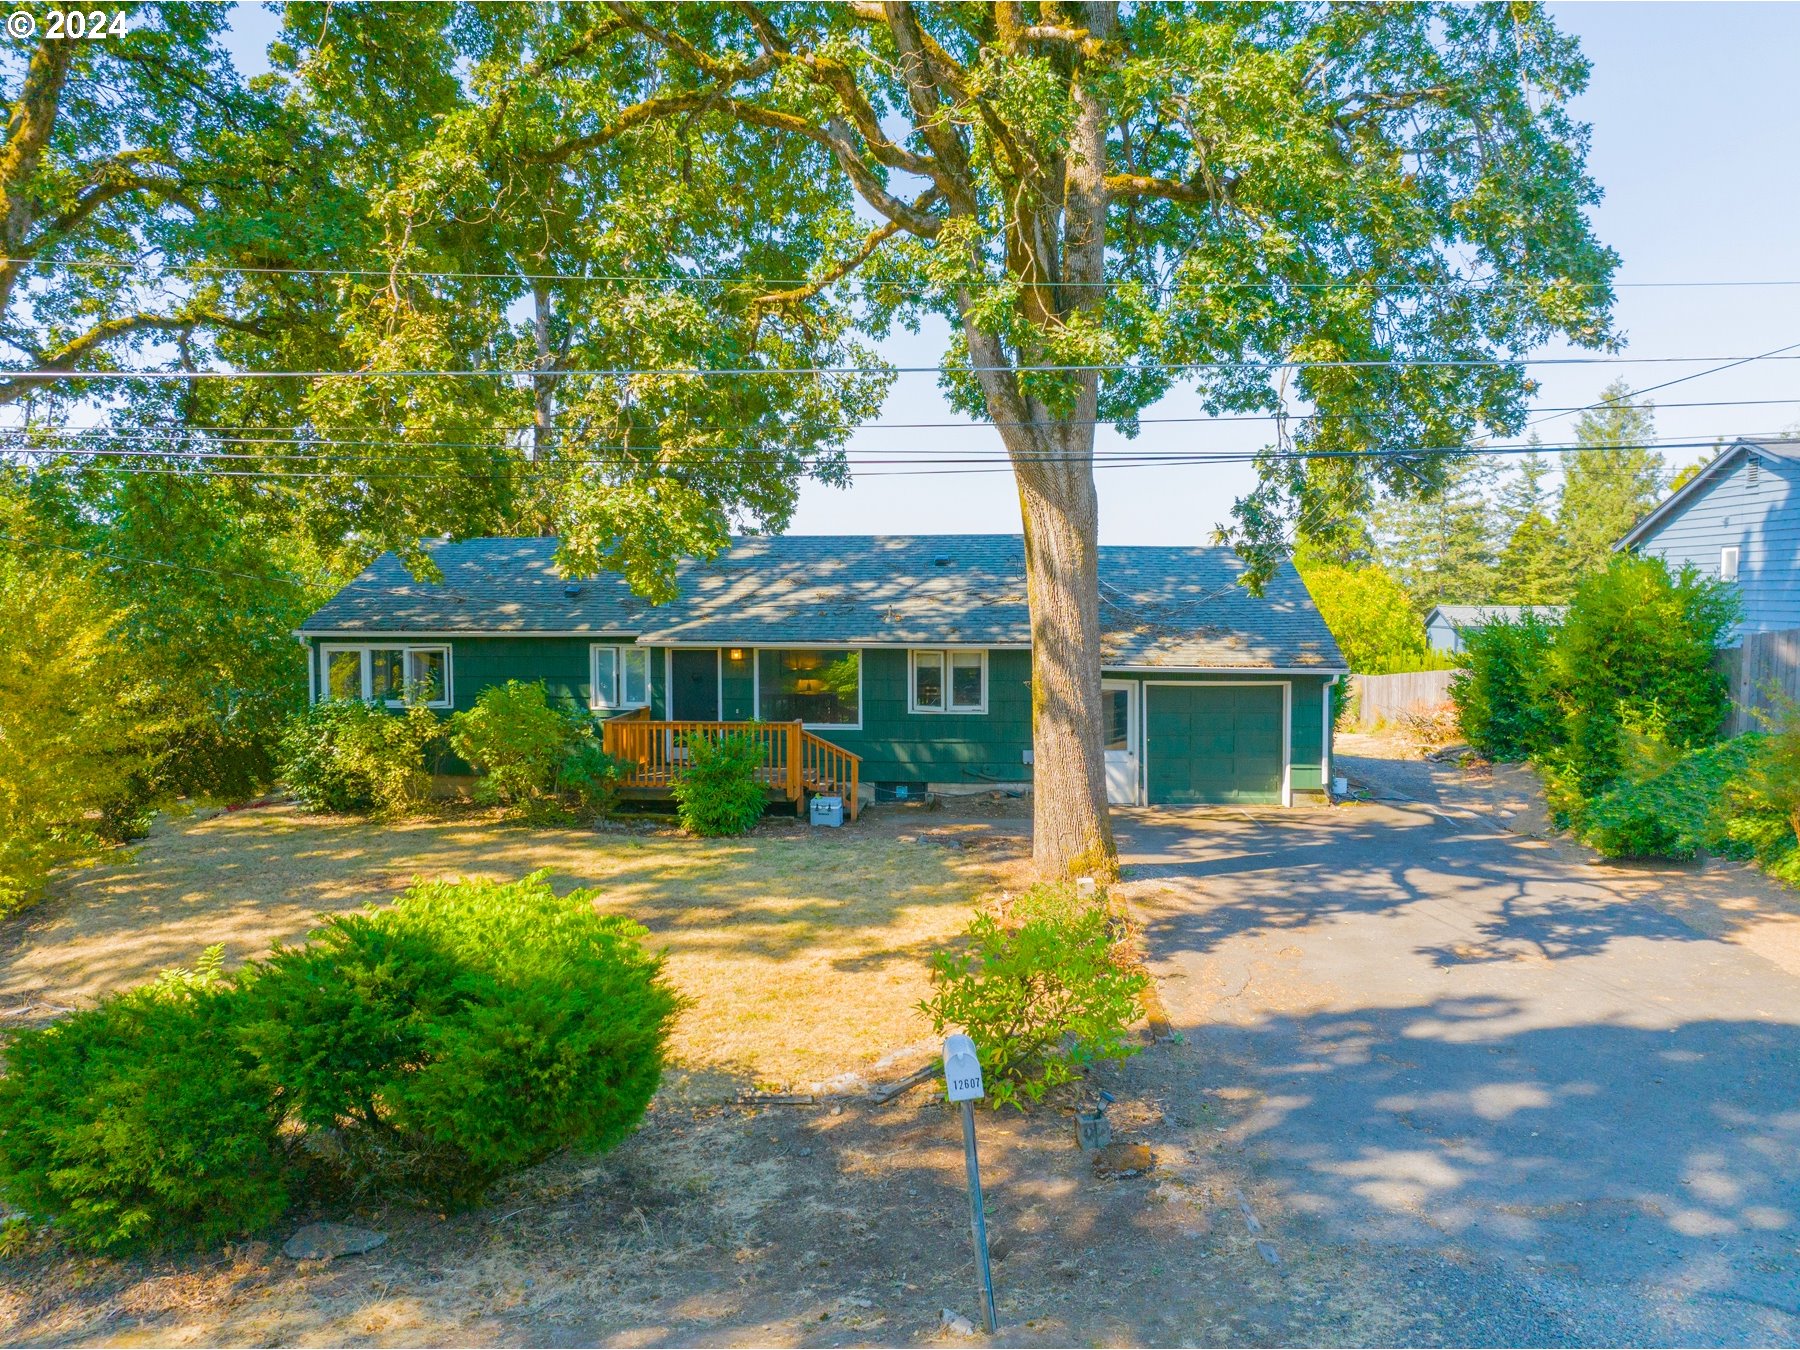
x,y
803,951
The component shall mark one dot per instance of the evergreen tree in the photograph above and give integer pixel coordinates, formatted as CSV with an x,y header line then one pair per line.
x,y
1530,569
1611,481
1441,547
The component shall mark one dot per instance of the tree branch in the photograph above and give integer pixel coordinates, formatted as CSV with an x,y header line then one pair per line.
x,y
28,132
51,366
872,241
929,115
1128,185
721,72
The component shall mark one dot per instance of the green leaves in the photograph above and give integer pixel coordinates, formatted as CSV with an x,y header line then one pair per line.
x,y
1042,990
719,792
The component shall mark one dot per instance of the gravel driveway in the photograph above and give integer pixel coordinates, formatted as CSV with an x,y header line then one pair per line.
x,y
1549,1101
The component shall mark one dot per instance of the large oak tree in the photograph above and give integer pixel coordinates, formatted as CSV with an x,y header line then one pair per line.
x,y
1364,213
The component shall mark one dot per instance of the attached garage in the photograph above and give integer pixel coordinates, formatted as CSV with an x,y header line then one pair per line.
x,y
1216,744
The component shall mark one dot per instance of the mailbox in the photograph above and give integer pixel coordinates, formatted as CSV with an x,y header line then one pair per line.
x,y
962,1070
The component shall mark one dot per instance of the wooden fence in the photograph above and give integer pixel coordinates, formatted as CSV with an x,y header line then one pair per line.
x,y
1383,698
1765,663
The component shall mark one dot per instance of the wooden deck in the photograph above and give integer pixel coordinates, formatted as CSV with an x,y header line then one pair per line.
x,y
796,763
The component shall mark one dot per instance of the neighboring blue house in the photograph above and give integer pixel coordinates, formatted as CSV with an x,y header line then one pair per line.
x,y
1445,625
1738,519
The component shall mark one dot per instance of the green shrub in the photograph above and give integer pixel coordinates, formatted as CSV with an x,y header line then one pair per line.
x,y
718,793
347,755
1765,802
142,1122
587,780
515,740
472,1029
1041,988
1672,812
1637,641
1502,698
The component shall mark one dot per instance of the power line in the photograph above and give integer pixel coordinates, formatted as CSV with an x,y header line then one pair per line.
x,y
170,447
1001,463
729,278
300,436
95,554
1773,354
771,372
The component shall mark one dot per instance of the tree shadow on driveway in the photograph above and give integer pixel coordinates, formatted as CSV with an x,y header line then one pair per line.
x,y
1439,1036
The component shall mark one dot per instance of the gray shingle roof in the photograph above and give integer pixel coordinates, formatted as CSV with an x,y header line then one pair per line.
x,y
1172,607
1464,616
489,586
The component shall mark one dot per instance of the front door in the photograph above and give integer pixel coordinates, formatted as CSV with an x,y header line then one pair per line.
x,y
1118,707
694,684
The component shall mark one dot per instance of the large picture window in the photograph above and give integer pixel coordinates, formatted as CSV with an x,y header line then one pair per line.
x,y
949,681
819,688
620,677
394,675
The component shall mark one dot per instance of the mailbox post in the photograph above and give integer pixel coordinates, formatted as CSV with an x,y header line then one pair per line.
x,y
962,1080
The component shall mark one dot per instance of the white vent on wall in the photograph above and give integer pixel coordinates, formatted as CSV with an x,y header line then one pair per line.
x,y
1728,563
1755,471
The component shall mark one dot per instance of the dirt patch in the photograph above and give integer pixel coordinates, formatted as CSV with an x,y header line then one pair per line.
x,y
802,949
837,1224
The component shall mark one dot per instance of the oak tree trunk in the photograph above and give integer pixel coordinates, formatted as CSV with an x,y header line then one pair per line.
x,y
1071,833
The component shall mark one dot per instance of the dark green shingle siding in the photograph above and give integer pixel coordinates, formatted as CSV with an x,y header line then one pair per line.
x,y
896,745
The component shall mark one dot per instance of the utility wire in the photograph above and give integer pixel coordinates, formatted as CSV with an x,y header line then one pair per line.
x,y
386,273
946,466
1773,354
200,454
299,435
163,562
770,372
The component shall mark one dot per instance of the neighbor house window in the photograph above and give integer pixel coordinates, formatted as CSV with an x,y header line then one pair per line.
x,y
393,675
621,677
948,681
819,688
1728,563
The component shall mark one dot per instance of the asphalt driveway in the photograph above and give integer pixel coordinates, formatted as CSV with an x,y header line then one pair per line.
x,y
1548,1101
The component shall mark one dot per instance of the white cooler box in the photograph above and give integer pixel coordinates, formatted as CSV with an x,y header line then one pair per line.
x,y
827,810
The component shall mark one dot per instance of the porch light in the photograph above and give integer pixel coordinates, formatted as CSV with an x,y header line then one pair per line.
x,y
737,653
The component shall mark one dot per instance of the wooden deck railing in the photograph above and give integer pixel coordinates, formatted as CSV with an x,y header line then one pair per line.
x,y
825,767
795,762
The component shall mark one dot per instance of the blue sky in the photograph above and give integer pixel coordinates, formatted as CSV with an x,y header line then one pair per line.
x,y
1695,144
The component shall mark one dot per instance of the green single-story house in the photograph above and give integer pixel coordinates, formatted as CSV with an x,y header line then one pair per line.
x,y
912,653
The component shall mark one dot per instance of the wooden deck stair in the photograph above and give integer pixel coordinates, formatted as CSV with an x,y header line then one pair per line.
x,y
796,763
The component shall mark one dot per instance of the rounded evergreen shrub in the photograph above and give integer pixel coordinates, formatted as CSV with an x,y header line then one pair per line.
x,y
718,793
587,780
472,1029
142,1122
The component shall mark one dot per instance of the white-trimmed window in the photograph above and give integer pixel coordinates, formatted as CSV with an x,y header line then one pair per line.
x,y
1728,563
620,677
389,674
948,682
817,686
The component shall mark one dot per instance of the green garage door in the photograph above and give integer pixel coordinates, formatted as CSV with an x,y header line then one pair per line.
x,y
1214,743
